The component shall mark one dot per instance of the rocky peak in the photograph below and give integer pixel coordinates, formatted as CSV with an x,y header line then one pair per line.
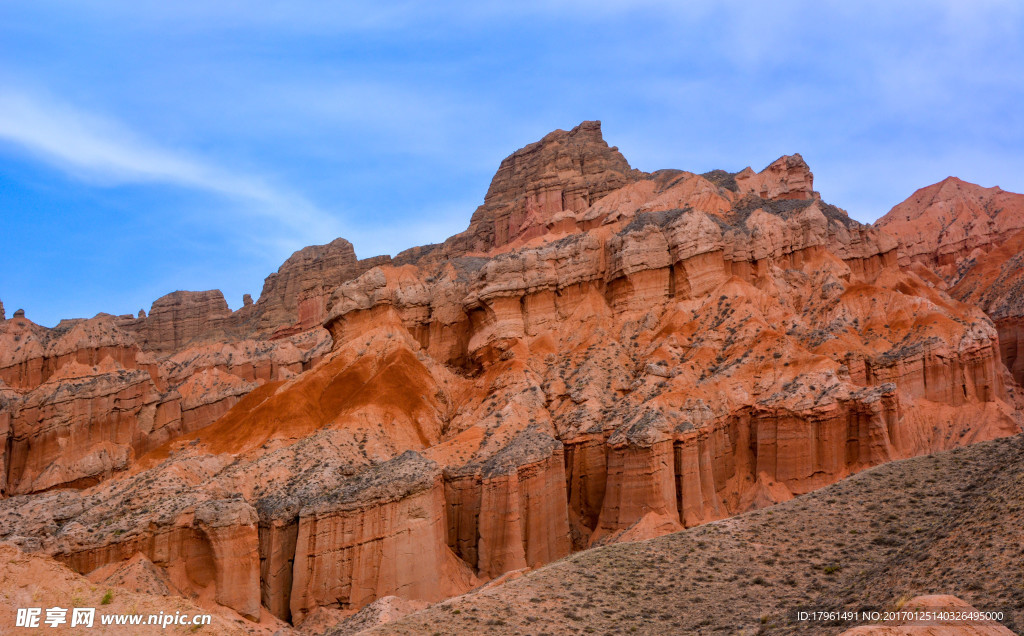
x,y
297,292
306,268
972,238
564,171
578,159
180,317
3,314
788,177
942,224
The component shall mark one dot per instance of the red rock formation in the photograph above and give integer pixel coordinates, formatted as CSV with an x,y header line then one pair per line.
x,y
86,400
384,534
509,512
788,178
944,223
297,293
640,485
539,188
603,355
973,239
178,318
230,528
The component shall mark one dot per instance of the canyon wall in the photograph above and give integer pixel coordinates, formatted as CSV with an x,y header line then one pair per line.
x,y
971,240
603,355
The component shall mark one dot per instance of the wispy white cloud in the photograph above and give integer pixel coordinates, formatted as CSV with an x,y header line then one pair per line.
x,y
99,150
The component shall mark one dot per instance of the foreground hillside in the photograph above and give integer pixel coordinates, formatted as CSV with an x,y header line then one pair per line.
x,y
945,523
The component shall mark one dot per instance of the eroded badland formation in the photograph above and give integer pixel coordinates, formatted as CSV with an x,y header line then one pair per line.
x,y
604,355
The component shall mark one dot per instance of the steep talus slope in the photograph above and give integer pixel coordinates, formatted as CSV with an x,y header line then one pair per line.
x,y
972,238
604,355
947,523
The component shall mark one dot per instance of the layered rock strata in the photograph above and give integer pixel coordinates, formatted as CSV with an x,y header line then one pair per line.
x,y
83,400
604,355
972,238
382,534
89,396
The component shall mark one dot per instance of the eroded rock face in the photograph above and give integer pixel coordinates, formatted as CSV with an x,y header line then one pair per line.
x,y
298,291
83,400
179,318
787,178
972,238
382,533
538,188
942,224
604,355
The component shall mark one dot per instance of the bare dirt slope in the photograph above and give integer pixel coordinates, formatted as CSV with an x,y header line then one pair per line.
x,y
949,523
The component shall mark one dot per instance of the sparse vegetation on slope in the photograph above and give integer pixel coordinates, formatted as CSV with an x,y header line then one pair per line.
x,y
945,523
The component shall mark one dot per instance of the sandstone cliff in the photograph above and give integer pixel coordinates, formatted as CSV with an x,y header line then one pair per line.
x,y
944,223
84,399
604,355
297,293
972,238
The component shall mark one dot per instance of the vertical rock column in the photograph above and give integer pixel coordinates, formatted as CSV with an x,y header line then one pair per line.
x,y
231,527
1011,345
586,466
697,494
641,479
5,432
381,534
510,511
278,531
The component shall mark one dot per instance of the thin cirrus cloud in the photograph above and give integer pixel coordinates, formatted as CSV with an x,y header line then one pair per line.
x,y
101,151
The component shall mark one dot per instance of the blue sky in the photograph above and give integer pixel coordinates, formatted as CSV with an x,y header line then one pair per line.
x,y
152,146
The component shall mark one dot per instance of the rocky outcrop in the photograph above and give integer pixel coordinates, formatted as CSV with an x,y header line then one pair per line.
x,y
85,400
972,238
382,534
179,318
298,291
508,512
536,189
230,528
1011,340
787,178
604,355
943,224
